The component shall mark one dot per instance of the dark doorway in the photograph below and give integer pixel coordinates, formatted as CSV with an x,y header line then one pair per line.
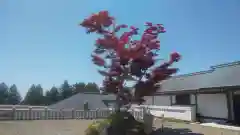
x,y
183,99
236,107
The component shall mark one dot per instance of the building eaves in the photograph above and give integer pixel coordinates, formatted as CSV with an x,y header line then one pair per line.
x,y
227,74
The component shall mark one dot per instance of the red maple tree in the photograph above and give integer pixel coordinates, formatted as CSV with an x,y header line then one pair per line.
x,y
124,58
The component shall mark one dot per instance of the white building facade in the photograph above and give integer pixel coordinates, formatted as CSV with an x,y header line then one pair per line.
x,y
214,93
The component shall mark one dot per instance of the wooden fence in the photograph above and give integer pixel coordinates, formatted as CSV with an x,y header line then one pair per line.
x,y
51,114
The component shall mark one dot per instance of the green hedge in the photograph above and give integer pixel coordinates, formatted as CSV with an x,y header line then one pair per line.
x,y
118,123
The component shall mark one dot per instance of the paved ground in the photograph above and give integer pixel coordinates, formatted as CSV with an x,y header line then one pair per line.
x,y
177,129
77,127
69,127
44,127
171,128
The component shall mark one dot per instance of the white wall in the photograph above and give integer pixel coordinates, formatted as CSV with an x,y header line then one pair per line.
x,y
149,100
212,105
192,99
162,100
187,113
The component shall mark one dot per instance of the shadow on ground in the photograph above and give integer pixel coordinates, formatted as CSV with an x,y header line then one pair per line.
x,y
171,131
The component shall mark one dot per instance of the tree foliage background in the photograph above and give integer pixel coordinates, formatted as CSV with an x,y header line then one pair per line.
x,y
36,95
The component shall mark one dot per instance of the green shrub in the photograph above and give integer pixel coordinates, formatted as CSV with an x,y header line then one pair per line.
x,y
118,123
117,120
96,127
92,129
125,123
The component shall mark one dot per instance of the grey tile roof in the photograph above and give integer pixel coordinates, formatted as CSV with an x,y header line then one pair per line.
x,y
77,101
218,76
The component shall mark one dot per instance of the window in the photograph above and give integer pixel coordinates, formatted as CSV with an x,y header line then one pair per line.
x,y
183,99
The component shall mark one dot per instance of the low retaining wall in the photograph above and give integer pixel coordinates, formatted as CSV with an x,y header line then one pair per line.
x,y
187,113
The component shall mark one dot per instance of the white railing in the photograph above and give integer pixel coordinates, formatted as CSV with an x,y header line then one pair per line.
x,y
21,107
53,114
43,113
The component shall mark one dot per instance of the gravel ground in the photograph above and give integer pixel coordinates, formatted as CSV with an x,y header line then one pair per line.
x,y
44,127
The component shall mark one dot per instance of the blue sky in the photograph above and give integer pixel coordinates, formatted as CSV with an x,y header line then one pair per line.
x,y
41,42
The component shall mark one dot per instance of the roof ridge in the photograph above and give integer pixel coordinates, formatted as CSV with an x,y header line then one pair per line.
x,y
212,68
226,64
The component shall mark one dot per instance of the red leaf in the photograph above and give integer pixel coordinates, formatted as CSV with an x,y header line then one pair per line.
x,y
175,57
120,27
98,60
104,73
148,24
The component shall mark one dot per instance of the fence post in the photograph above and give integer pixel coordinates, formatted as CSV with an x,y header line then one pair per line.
x,y
46,113
97,113
13,113
73,113
85,114
60,114
30,113
112,111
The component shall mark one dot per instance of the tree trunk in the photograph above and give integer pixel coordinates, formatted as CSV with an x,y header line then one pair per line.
x,y
118,105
